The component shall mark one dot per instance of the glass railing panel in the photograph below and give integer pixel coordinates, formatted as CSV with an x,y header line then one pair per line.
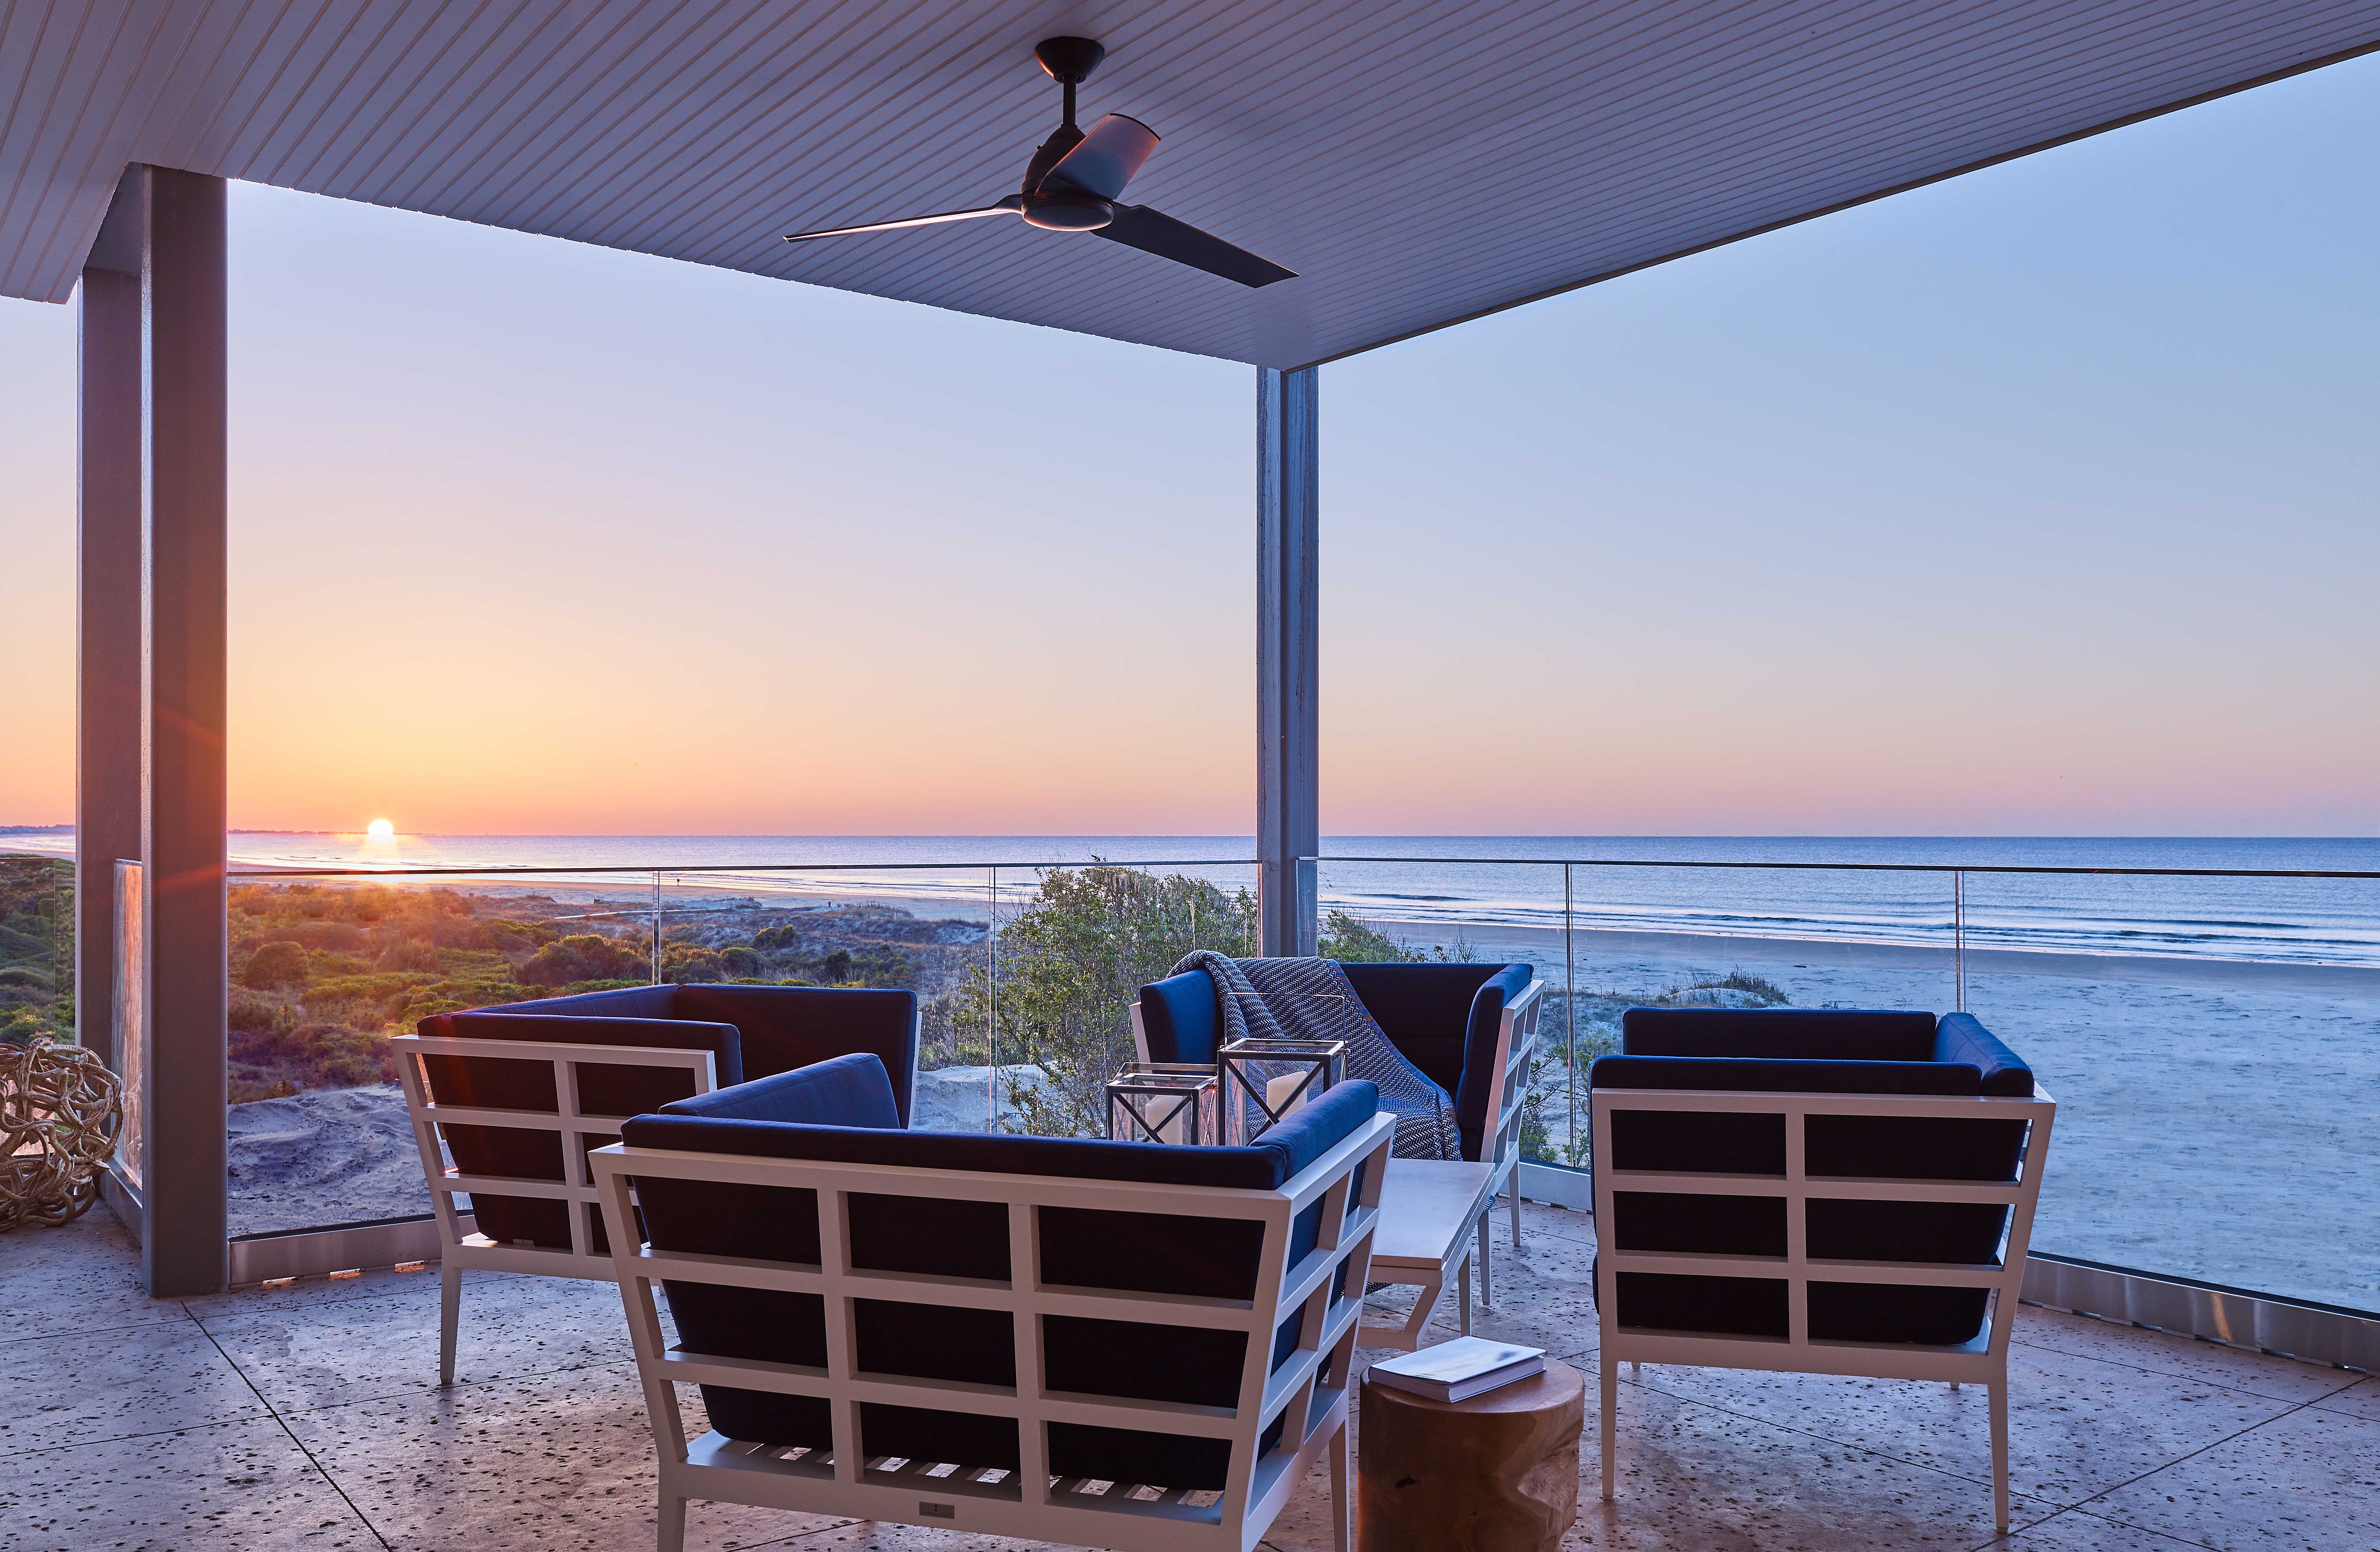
x,y
1435,911
37,920
1071,948
866,925
2214,1045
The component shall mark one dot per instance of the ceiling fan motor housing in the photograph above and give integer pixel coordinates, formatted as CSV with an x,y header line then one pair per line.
x,y
1070,60
1065,211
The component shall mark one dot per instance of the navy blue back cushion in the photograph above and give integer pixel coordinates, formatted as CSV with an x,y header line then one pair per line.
x,y
1180,1019
1807,1033
786,1027
1958,1038
1792,1051
779,1028
498,1082
1445,1020
934,1235
844,1091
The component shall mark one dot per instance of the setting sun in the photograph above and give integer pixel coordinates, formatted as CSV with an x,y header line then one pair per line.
x,y
380,829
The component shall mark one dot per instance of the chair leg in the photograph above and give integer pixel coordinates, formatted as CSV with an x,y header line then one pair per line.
x,y
1342,1490
670,1535
450,1316
1999,1455
1517,1212
1610,1367
1463,1281
1487,1289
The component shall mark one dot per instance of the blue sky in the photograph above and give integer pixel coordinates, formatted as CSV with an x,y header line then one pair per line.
x,y
2037,502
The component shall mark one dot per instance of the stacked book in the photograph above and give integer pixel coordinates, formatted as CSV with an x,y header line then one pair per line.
x,y
1459,1369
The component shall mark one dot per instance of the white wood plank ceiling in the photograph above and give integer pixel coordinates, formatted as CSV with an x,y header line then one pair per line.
x,y
1418,162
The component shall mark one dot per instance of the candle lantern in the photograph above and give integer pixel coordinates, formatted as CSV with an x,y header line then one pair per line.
x,y
1263,1081
1164,1102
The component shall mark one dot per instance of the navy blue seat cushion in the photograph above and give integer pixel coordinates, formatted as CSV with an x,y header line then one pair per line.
x,y
1445,1020
1179,1018
1797,1051
934,1235
779,1028
498,1082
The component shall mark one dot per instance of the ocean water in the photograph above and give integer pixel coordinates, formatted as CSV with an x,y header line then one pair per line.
x,y
1795,888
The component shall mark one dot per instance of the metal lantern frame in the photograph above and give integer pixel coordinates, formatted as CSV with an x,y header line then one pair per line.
x,y
1164,1102
1320,1065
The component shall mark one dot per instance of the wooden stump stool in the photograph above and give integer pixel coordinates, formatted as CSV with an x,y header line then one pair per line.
x,y
1496,1473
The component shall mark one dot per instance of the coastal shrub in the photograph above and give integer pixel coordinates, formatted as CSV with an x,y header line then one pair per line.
x,y
1736,989
583,957
374,985
251,1014
1068,964
408,953
737,959
1344,939
690,964
277,964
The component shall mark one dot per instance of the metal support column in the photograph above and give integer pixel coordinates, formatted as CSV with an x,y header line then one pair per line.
x,y
176,462
107,603
1288,657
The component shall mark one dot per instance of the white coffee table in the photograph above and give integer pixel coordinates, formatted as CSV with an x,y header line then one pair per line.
x,y
1429,1216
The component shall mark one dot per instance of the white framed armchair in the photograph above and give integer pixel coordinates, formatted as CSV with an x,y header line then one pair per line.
x,y
1835,1192
1109,1344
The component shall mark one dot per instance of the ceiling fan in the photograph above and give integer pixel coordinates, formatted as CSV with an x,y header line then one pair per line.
x,y
1075,183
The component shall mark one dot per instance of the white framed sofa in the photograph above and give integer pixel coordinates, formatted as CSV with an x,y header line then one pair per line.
x,y
506,1102
1837,1191
1123,1345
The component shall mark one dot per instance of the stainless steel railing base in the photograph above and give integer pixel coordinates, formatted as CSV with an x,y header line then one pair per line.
x,y
257,1258
2265,1322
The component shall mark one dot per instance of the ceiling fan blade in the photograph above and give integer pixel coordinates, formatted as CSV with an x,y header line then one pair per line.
x,y
1139,226
1009,206
1103,161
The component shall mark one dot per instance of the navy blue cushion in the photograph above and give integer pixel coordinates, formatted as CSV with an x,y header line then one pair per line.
x,y
925,1233
786,1027
1426,1012
1179,1018
498,1082
1810,1052
779,1028
1960,1038
1808,1034
844,1091
1444,1018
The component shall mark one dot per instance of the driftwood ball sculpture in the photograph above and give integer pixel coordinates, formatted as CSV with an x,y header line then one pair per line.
x,y
60,1112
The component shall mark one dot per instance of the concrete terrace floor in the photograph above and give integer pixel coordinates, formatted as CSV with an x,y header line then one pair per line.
x,y
309,1417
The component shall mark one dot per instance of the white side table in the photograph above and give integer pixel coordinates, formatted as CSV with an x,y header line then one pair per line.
x,y
1429,1216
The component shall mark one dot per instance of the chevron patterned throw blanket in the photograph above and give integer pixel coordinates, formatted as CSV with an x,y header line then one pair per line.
x,y
1312,999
